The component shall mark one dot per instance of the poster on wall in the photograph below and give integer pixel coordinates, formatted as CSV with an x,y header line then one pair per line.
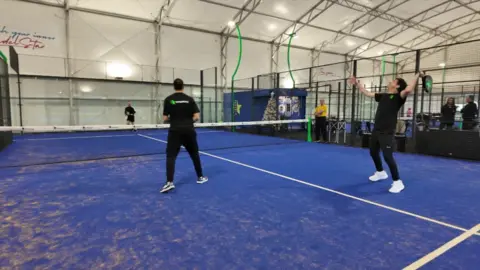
x,y
10,36
289,107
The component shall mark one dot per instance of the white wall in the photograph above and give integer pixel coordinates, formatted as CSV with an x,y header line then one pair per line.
x,y
19,27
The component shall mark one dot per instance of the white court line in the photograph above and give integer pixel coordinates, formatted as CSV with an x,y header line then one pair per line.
x,y
327,189
100,136
77,137
439,251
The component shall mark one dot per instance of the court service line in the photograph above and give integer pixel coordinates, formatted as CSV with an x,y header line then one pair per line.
x,y
100,136
78,137
439,251
326,189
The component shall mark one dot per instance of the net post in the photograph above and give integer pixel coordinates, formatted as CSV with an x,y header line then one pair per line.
x,y
415,97
309,129
201,96
353,132
216,96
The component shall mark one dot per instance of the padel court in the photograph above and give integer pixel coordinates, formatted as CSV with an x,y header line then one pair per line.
x,y
92,201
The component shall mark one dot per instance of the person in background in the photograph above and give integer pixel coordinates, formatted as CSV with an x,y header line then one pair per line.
x,y
409,112
448,111
130,114
321,121
469,114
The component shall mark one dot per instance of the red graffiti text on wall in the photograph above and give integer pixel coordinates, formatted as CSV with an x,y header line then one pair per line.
x,y
328,73
23,42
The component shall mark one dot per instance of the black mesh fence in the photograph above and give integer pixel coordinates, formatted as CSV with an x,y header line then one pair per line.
x,y
5,112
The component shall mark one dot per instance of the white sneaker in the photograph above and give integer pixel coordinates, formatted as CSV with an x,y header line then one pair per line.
x,y
397,186
167,187
378,176
202,180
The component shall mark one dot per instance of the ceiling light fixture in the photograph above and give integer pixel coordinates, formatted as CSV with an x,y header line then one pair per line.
x,y
86,89
231,24
119,71
281,9
441,65
350,43
272,27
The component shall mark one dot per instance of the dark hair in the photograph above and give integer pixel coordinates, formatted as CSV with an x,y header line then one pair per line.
x,y
453,100
178,84
471,97
402,84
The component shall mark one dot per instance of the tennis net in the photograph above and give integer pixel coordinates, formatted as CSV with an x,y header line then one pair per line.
x,y
41,145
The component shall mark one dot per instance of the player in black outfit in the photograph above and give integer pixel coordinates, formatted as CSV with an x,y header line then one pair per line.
x,y
383,135
130,113
448,114
181,112
469,114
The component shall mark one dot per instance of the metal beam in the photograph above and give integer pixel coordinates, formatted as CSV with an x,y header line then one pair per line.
x,y
293,21
159,21
389,17
163,14
311,14
356,24
406,24
465,36
138,19
226,32
448,26
68,71
242,15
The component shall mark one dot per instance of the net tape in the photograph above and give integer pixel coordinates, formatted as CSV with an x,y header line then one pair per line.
x,y
35,129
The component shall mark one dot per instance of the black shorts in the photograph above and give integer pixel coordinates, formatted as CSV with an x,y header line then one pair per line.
x,y
382,140
179,138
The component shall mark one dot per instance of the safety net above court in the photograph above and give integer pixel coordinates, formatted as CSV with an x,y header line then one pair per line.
x,y
65,144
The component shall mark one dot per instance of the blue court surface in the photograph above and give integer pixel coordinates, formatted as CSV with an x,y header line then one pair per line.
x,y
267,206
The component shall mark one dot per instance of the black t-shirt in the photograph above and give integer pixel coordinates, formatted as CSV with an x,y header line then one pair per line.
x,y
448,113
387,111
130,113
180,108
470,111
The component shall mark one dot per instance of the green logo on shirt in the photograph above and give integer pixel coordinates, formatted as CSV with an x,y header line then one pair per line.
x,y
172,102
392,96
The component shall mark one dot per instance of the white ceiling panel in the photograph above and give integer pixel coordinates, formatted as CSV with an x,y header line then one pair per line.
x,y
291,10
377,50
312,37
374,28
447,16
413,7
235,3
61,2
462,29
346,45
475,5
452,25
147,9
404,36
336,18
262,27
213,15
202,15
431,42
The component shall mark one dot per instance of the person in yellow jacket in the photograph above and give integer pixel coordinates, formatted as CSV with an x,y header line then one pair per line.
x,y
321,121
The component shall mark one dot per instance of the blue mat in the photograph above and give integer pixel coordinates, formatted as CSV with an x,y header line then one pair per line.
x,y
293,206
